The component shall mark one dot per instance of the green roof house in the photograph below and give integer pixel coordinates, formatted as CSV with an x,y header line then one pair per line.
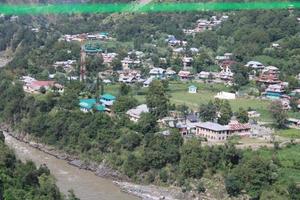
x,y
92,48
107,99
87,105
100,108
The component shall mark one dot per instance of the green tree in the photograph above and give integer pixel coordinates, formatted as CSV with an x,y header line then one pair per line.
x,y
208,112
233,185
124,89
147,123
157,99
225,113
294,191
242,115
241,75
116,64
278,114
192,160
124,103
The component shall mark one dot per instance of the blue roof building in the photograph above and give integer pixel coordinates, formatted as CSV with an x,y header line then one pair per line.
x,y
87,105
107,99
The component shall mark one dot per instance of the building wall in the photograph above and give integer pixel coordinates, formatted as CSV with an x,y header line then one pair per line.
x,y
212,135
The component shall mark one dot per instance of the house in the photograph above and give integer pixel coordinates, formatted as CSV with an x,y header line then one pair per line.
x,y
106,81
206,75
294,123
184,75
178,51
92,48
27,79
212,131
67,65
103,36
216,132
172,41
127,79
157,73
295,92
187,63
127,63
269,75
183,130
192,118
225,95
253,114
192,89
107,99
108,57
275,91
194,50
236,128
169,122
255,65
276,45
148,82
226,56
35,86
91,37
170,73
129,76
135,113
226,73
87,105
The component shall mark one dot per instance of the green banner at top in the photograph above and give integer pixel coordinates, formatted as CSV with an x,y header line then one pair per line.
x,y
34,9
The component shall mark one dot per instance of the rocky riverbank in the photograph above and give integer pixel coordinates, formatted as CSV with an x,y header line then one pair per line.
x,y
146,192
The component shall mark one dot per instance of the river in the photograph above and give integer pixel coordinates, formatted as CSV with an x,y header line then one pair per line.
x,y
86,185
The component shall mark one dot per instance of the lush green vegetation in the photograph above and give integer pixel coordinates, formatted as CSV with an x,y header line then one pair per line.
x,y
139,150
24,181
179,95
289,133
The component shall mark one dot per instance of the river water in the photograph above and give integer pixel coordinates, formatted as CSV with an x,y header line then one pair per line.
x,y
86,185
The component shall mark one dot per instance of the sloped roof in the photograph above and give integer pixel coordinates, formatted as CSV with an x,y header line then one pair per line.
x,y
108,96
213,126
87,103
137,111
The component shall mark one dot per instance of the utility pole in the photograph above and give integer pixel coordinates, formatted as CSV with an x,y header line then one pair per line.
x,y
82,64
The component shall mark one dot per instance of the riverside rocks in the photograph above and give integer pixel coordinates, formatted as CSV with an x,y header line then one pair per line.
x,y
151,192
102,170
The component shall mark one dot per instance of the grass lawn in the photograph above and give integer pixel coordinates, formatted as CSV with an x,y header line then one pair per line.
x,y
289,133
178,92
289,158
